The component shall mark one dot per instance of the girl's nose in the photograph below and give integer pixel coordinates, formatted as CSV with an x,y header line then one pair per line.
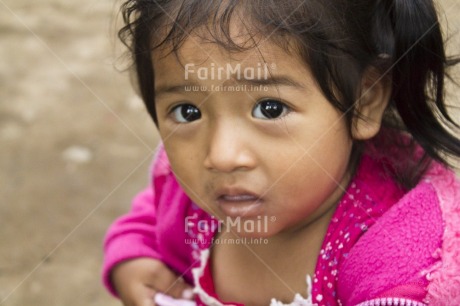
x,y
229,150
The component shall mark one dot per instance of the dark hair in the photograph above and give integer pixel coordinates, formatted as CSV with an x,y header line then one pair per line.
x,y
339,40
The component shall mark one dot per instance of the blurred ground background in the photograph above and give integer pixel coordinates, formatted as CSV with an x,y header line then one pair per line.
x,y
75,146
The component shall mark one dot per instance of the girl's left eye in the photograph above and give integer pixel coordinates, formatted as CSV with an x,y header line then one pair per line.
x,y
270,109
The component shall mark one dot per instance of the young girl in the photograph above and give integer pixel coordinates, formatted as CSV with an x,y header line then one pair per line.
x,y
303,156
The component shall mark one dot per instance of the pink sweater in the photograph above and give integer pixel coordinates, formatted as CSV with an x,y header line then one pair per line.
x,y
383,243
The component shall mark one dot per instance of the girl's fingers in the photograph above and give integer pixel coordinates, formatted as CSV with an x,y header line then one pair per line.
x,y
165,300
178,289
181,290
148,302
142,296
170,284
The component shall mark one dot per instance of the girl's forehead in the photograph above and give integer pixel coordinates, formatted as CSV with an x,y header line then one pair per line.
x,y
199,63
196,51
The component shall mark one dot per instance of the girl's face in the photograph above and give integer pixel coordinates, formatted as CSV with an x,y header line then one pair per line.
x,y
260,148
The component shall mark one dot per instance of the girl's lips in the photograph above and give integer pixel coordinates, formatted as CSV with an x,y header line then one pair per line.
x,y
238,198
240,205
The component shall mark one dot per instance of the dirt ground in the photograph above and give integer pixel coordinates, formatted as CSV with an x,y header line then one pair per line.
x,y
75,144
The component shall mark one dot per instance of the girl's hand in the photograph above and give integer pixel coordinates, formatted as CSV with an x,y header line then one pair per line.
x,y
137,281
166,300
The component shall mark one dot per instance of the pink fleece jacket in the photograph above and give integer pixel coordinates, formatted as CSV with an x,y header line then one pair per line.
x,y
384,245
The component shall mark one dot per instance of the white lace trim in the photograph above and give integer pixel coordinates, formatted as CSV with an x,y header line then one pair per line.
x,y
197,273
298,299
210,301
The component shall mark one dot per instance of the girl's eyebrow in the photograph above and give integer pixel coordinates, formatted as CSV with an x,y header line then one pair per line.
x,y
281,80
269,81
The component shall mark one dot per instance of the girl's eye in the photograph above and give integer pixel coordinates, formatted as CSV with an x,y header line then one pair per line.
x,y
270,109
185,113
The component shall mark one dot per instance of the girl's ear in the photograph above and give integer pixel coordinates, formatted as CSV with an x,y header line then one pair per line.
x,y
370,107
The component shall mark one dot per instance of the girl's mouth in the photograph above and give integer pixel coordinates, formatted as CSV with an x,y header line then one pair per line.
x,y
238,198
241,204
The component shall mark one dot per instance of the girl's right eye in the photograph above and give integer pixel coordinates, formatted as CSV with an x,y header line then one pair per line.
x,y
185,113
